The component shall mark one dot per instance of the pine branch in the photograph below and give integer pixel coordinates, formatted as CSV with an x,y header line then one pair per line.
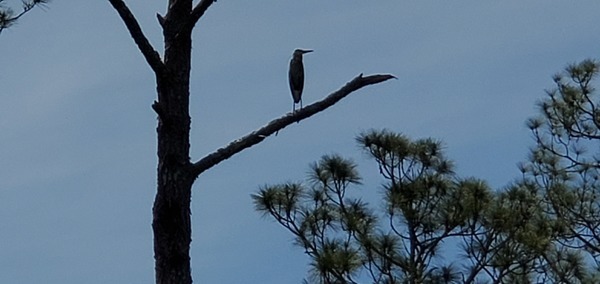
x,y
7,17
275,125
151,55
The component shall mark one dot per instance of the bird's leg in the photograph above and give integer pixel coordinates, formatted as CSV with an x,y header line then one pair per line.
x,y
298,121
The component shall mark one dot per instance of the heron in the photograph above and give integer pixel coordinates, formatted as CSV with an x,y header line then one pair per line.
x,y
296,77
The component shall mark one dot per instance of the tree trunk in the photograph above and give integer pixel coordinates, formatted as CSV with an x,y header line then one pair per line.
x,y
171,212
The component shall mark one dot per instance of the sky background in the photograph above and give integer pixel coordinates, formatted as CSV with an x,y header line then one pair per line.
x,y
78,141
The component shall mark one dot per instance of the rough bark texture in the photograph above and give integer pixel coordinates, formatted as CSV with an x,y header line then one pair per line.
x,y
171,222
171,212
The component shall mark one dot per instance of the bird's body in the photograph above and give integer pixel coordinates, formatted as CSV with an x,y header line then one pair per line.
x,y
296,76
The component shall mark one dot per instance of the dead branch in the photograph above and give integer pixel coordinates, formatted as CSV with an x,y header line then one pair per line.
x,y
198,11
151,55
275,125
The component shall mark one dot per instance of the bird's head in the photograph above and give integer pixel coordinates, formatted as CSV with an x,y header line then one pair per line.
x,y
299,52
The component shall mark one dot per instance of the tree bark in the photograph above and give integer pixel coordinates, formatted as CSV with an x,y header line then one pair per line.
x,y
171,211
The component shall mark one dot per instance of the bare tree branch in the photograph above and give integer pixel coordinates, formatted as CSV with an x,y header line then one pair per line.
x,y
199,10
151,55
259,135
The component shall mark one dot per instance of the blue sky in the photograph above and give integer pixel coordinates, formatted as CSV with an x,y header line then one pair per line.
x,y
77,178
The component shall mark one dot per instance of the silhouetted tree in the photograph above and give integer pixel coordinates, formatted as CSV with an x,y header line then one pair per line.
x,y
504,236
176,172
565,165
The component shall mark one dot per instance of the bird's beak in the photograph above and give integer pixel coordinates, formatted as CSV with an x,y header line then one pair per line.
x,y
306,51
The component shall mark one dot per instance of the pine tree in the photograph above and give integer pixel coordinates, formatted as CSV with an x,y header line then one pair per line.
x,y
565,165
503,236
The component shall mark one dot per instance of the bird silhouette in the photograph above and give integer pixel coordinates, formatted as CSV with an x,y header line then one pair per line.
x,y
296,77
